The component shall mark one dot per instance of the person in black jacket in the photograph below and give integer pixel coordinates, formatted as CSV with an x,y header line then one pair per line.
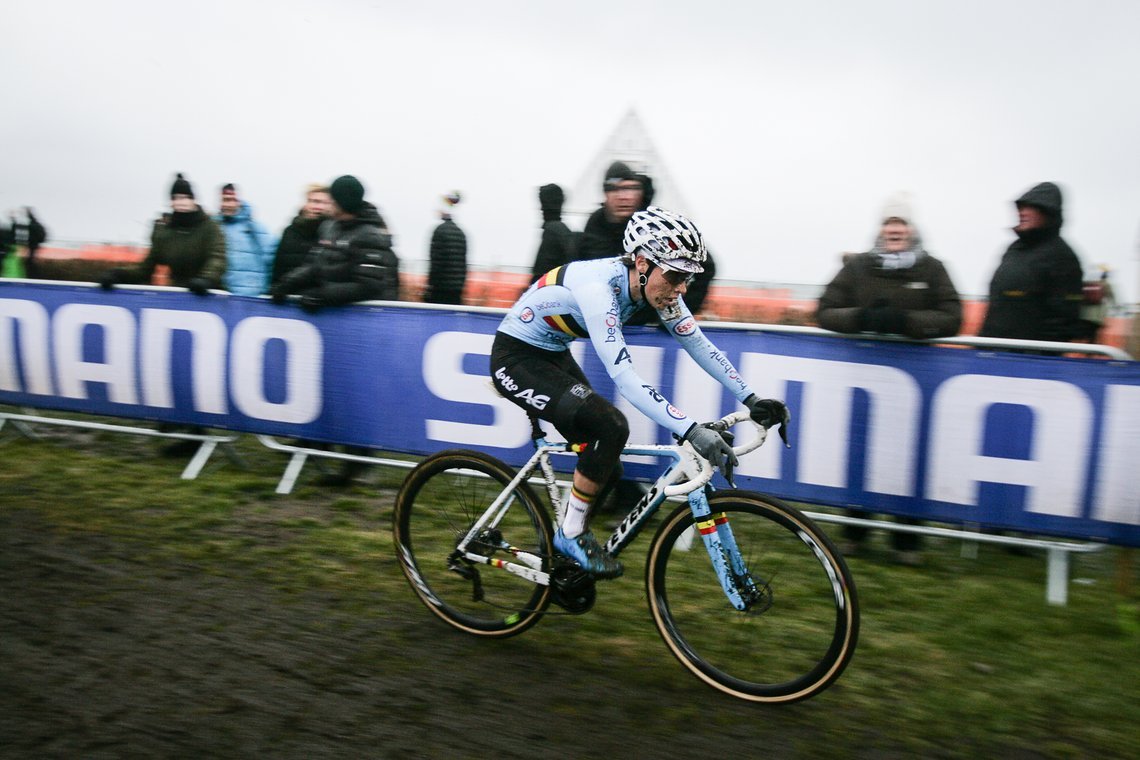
x,y
353,260
625,193
301,235
31,235
1036,291
558,245
447,273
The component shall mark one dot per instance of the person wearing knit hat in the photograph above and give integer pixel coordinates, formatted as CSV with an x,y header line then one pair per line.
x,y
624,194
181,186
896,288
347,193
447,253
558,243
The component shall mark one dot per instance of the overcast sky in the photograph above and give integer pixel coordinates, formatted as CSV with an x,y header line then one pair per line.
x,y
786,126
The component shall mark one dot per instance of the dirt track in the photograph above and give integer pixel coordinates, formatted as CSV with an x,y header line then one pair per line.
x,y
106,653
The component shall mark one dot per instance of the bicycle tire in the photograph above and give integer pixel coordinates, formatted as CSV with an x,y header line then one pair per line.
x,y
801,633
439,501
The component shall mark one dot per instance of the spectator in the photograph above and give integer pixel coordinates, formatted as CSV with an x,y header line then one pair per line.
x,y
30,235
193,247
353,261
301,235
249,246
448,257
189,242
7,242
895,288
625,193
1036,291
1099,303
558,244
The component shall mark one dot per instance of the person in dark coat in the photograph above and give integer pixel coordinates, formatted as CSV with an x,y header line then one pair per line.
x,y
353,260
30,234
187,241
1037,290
895,288
558,245
447,273
301,235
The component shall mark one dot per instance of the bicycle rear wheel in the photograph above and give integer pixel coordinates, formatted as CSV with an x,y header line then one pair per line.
x,y
802,622
438,503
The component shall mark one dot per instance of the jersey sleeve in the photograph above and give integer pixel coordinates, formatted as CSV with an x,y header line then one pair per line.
x,y
601,313
683,326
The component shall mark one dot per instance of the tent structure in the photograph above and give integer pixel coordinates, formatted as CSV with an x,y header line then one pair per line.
x,y
629,142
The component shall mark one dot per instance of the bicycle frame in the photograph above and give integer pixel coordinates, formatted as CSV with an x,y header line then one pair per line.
x,y
685,474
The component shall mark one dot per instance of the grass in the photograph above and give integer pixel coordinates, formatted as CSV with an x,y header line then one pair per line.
x,y
961,657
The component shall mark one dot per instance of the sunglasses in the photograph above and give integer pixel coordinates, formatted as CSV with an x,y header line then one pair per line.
x,y
677,279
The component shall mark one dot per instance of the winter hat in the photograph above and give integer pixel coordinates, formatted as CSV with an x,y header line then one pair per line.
x,y
449,201
551,197
348,193
181,187
899,206
618,172
1045,197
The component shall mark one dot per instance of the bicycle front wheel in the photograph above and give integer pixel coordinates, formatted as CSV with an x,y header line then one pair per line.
x,y
800,621
439,502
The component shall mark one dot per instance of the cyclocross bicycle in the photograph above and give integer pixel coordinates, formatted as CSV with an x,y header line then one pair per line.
x,y
747,592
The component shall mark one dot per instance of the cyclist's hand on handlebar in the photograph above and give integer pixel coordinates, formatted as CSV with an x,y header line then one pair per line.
x,y
712,445
769,412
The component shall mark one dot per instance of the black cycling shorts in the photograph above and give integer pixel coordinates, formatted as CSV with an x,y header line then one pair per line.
x,y
551,386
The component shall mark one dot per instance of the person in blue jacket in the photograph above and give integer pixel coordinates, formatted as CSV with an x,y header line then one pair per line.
x,y
249,246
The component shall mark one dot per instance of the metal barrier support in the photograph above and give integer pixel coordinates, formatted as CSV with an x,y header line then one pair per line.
x,y
208,442
1057,578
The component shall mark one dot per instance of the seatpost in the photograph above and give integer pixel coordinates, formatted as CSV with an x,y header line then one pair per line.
x,y
535,431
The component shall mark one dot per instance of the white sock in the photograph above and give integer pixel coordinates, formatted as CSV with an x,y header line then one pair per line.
x,y
577,513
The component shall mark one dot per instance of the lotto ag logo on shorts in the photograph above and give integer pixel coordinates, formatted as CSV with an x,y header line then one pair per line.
x,y
527,315
674,412
685,326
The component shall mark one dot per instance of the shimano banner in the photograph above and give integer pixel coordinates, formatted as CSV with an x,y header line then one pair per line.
x,y
1041,444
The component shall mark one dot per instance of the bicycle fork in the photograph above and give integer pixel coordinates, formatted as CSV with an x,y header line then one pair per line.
x,y
716,533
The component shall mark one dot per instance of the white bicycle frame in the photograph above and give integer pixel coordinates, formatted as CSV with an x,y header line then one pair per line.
x,y
685,474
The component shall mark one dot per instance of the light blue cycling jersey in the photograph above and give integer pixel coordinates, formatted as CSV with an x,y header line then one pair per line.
x,y
591,299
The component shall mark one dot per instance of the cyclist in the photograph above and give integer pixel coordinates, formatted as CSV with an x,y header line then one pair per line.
x,y
532,366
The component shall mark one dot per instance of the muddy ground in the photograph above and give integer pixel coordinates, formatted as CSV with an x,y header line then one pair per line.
x,y
106,651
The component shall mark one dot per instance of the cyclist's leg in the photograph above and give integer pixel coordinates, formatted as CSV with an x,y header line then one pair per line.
x,y
553,387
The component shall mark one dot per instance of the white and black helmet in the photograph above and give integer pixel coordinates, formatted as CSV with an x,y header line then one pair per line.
x,y
667,239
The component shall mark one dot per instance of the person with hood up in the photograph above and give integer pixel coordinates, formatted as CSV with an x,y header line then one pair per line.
x,y
249,246
187,241
558,243
1037,290
353,260
896,288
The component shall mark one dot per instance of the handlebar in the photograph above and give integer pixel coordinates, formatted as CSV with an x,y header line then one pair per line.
x,y
699,470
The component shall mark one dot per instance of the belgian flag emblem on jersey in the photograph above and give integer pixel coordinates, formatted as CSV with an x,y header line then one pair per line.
x,y
564,323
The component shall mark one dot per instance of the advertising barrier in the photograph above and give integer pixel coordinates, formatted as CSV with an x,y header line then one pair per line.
x,y
1041,444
